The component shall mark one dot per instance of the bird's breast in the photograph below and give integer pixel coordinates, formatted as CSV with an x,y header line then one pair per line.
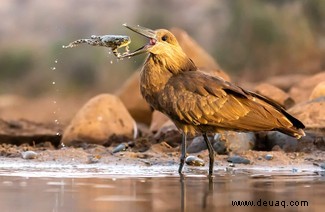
x,y
153,80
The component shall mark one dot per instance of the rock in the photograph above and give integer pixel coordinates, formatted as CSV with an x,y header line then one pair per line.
x,y
120,147
219,146
311,113
158,120
194,161
100,118
318,91
221,143
130,95
28,155
170,134
301,91
236,141
276,141
285,82
268,157
200,57
275,93
197,145
322,165
285,142
238,159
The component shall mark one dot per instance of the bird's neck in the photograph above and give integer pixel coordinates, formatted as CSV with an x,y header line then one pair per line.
x,y
158,69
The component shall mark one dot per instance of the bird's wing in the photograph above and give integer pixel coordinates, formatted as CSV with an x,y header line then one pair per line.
x,y
196,98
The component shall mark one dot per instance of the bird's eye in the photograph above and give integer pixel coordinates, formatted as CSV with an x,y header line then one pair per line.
x,y
164,38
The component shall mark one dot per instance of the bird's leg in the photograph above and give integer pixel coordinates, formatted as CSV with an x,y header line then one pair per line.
x,y
183,154
211,153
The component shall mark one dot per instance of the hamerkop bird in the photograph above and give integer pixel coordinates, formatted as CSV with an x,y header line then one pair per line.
x,y
198,103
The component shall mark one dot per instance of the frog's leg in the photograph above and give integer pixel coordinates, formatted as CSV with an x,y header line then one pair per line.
x,y
115,52
127,51
76,43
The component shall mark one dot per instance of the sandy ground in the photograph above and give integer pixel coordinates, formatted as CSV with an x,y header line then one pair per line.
x,y
160,159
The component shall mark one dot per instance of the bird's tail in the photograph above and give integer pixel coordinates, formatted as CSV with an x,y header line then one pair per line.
x,y
296,130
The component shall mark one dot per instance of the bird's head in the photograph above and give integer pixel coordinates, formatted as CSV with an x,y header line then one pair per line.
x,y
163,46
160,40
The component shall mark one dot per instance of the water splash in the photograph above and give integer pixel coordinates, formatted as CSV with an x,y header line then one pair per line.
x,y
56,107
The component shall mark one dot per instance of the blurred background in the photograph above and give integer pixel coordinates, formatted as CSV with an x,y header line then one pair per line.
x,y
251,40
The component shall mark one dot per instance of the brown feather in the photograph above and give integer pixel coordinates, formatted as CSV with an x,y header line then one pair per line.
x,y
200,103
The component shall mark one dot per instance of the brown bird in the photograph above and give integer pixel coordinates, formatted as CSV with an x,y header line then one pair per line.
x,y
198,103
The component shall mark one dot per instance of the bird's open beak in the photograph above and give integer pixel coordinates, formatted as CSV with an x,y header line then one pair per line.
x,y
149,33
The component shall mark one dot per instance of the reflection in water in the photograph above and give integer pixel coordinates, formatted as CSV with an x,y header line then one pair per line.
x,y
190,193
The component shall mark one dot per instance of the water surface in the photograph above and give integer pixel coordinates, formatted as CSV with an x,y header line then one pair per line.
x,y
196,192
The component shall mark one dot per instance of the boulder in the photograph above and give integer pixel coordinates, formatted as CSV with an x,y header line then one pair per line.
x,y
236,142
225,142
200,57
158,120
99,119
169,133
301,91
285,82
275,140
275,93
130,95
311,113
318,91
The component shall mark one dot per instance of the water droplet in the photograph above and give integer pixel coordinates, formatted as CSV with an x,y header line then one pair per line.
x,y
54,102
56,61
53,68
109,52
53,83
111,61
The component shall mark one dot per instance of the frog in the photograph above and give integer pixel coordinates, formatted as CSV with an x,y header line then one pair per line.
x,y
114,42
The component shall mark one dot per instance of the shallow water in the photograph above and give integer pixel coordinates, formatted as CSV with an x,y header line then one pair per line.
x,y
20,191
